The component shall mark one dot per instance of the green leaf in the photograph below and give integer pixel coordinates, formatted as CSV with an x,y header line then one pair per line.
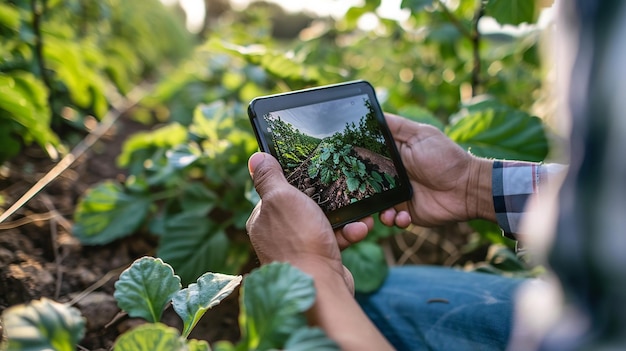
x,y
224,345
490,232
505,259
192,302
310,339
366,261
391,180
502,133
512,11
376,176
107,213
9,17
150,337
197,197
276,63
182,156
198,345
415,5
73,65
194,245
165,137
43,325
374,184
274,298
24,99
353,184
146,287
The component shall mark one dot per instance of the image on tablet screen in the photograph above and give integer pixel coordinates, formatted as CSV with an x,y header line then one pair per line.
x,y
333,151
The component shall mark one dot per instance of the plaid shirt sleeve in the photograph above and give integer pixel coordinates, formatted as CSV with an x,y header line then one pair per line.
x,y
512,184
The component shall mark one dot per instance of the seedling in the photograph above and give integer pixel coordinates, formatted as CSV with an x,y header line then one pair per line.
x,y
273,301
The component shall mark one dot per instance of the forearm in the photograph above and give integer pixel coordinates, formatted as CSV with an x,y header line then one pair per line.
x,y
338,314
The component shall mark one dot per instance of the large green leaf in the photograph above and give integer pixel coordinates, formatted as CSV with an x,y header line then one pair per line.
x,y
502,133
164,137
24,99
146,287
43,325
193,244
9,17
512,11
276,63
150,337
366,262
199,198
310,339
274,299
192,302
107,213
74,66
182,156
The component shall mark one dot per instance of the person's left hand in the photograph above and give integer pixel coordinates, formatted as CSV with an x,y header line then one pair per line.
x,y
288,226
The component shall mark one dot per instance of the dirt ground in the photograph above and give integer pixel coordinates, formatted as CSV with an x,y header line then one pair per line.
x,y
40,258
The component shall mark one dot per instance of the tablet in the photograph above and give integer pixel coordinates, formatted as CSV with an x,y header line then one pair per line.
x,y
334,145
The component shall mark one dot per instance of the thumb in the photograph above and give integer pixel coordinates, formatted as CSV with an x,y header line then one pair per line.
x,y
266,172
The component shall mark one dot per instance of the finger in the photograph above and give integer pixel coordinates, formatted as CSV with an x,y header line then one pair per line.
x,y
342,242
403,219
388,217
402,129
266,173
352,233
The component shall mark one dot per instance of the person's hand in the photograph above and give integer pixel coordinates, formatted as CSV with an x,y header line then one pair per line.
x,y
449,184
287,226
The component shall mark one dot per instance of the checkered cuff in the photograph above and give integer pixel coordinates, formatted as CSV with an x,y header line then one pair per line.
x,y
512,184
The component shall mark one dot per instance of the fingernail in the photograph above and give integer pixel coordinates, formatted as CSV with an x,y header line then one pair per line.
x,y
254,161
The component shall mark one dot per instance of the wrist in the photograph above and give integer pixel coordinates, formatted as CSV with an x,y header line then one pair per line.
x,y
479,196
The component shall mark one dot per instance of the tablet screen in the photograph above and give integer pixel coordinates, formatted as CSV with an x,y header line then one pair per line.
x,y
333,151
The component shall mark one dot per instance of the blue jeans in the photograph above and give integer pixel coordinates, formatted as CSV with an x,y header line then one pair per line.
x,y
439,308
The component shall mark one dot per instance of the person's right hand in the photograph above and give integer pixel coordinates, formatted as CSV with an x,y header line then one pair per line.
x,y
449,184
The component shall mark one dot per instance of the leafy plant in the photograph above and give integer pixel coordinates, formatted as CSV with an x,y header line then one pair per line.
x,y
57,59
43,325
273,301
186,185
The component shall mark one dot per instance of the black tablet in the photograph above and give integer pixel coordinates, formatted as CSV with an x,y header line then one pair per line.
x,y
334,145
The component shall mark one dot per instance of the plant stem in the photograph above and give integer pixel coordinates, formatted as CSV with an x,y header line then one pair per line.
x,y
165,194
476,81
38,12
455,21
